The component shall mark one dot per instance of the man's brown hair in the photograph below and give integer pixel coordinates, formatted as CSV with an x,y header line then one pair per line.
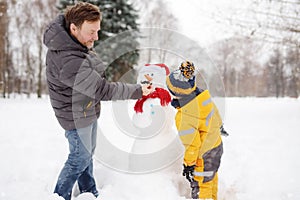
x,y
81,12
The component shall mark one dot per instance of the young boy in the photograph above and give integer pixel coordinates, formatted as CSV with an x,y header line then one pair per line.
x,y
198,123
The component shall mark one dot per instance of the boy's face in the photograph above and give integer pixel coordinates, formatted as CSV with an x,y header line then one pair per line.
x,y
87,34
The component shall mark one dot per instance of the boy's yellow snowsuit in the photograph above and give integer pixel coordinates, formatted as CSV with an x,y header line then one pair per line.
x,y
198,123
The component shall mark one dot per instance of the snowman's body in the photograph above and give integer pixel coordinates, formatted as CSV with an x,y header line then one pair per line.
x,y
157,145
157,123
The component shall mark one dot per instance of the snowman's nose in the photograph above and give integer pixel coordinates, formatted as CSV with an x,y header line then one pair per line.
x,y
149,78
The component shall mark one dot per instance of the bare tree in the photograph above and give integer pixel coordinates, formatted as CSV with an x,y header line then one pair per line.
x,y
276,26
293,63
28,24
237,61
39,21
24,59
3,46
276,80
274,22
156,14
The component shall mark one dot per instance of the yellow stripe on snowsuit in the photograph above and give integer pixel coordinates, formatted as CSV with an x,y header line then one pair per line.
x,y
178,90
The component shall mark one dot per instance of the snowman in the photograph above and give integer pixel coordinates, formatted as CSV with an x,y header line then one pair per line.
x,y
155,76
157,144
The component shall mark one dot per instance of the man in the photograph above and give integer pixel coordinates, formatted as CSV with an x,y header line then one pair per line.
x,y
75,77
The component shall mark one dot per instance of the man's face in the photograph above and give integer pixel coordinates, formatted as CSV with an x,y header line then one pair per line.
x,y
87,33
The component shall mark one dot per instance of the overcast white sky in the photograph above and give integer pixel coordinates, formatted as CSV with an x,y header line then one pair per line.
x,y
197,19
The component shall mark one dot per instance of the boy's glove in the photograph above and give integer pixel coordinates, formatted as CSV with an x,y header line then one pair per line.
x,y
188,172
223,132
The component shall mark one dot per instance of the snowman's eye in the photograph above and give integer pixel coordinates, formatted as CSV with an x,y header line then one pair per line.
x,y
152,74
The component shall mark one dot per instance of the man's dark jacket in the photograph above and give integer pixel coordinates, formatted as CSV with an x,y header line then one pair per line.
x,y
75,77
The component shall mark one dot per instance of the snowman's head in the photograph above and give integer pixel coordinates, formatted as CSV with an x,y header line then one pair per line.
x,y
154,74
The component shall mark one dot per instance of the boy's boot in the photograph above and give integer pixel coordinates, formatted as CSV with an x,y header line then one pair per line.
x,y
195,189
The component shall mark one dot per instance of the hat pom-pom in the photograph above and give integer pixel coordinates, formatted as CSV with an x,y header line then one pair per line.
x,y
187,69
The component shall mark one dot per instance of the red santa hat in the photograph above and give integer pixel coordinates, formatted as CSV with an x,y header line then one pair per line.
x,y
162,66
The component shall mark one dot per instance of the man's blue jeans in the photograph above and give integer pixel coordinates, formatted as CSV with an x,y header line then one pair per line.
x,y
79,165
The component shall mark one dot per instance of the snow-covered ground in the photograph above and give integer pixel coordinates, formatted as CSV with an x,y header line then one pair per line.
x,y
261,158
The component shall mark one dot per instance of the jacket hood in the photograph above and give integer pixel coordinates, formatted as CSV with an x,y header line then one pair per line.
x,y
56,37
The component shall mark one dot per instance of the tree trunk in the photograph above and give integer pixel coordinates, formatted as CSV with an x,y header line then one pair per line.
x,y
3,50
39,86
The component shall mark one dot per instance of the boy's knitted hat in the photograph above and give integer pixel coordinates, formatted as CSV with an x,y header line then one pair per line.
x,y
182,81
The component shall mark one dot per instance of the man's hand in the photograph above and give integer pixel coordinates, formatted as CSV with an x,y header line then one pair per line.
x,y
147,89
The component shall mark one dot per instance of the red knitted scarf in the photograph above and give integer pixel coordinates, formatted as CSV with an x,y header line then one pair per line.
x,y
162,94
